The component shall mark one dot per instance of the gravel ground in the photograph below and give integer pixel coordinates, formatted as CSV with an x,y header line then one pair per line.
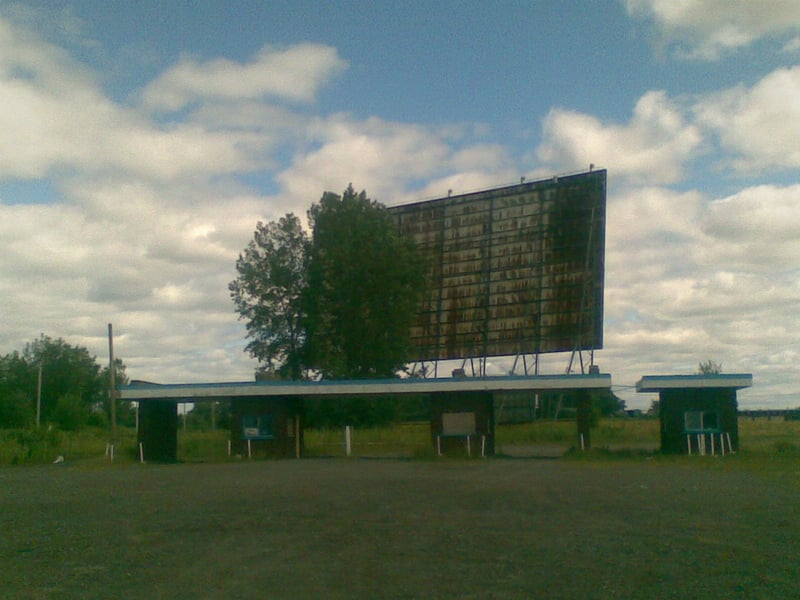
x,y
388,528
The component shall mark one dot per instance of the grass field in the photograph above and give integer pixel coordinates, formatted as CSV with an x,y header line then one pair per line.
x,y
595,525
542,438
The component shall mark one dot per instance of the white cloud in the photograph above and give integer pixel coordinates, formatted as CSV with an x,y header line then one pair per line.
x,y
761,125
295,73
707,29
55,116
756,229
653,147
689,279
148,214
386,159
147,218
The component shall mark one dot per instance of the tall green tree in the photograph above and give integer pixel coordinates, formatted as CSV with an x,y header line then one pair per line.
x,y
267,294
364,285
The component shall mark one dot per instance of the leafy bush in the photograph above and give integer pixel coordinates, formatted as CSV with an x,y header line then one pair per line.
x,y
16,410
71,412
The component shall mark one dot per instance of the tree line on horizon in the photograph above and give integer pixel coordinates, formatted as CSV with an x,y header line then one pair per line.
x,y
65,380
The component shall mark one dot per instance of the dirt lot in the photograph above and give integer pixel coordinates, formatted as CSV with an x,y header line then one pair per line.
x,y
361,528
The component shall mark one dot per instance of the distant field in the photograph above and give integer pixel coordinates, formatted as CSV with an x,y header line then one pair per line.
x,y
596,526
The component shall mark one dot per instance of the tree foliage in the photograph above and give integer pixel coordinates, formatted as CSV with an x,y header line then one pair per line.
x,y
340,303
709,367
364,285
74,389
267,294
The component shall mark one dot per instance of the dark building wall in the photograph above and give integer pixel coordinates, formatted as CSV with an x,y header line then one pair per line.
x,y
718,406
480,404
279,422
158,430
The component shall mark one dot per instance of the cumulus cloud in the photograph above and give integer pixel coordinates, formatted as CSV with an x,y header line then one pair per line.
x,y
745,129
756,229
653,147
151,204
56,117
761,124
295,74
707,29
146,214
386,159
690,278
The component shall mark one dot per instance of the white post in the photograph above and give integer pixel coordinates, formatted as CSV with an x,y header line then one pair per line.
x,y
347,441
141,452
689,443
583,444
249,450
730,448
229,448
469,452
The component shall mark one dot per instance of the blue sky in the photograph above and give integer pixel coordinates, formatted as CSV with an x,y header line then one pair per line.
x,y
141,142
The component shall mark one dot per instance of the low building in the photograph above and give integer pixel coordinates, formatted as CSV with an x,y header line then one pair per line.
x,y
267,416
698,413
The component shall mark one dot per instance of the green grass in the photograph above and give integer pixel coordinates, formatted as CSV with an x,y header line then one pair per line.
x,y
769,435
37,446
758,438
404,439
608,432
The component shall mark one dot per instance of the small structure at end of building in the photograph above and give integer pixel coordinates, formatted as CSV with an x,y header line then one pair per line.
x,y
697,413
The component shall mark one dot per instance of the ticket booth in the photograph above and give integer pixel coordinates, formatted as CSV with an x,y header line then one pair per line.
x,y
698,414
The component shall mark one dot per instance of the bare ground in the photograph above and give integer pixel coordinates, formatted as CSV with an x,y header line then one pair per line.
x,y
387,528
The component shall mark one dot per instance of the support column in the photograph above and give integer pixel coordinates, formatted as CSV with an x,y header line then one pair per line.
x,y
158,430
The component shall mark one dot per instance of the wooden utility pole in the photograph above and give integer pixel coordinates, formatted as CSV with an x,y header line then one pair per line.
x,y
112,391
39,397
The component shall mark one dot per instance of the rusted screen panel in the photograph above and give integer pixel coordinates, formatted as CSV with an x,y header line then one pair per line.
x,y
513,270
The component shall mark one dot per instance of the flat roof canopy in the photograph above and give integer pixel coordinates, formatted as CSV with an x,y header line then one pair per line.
x,y
657,383
188,392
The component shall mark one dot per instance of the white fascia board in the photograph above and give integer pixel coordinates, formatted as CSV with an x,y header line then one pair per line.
x,y
188,392
657,383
